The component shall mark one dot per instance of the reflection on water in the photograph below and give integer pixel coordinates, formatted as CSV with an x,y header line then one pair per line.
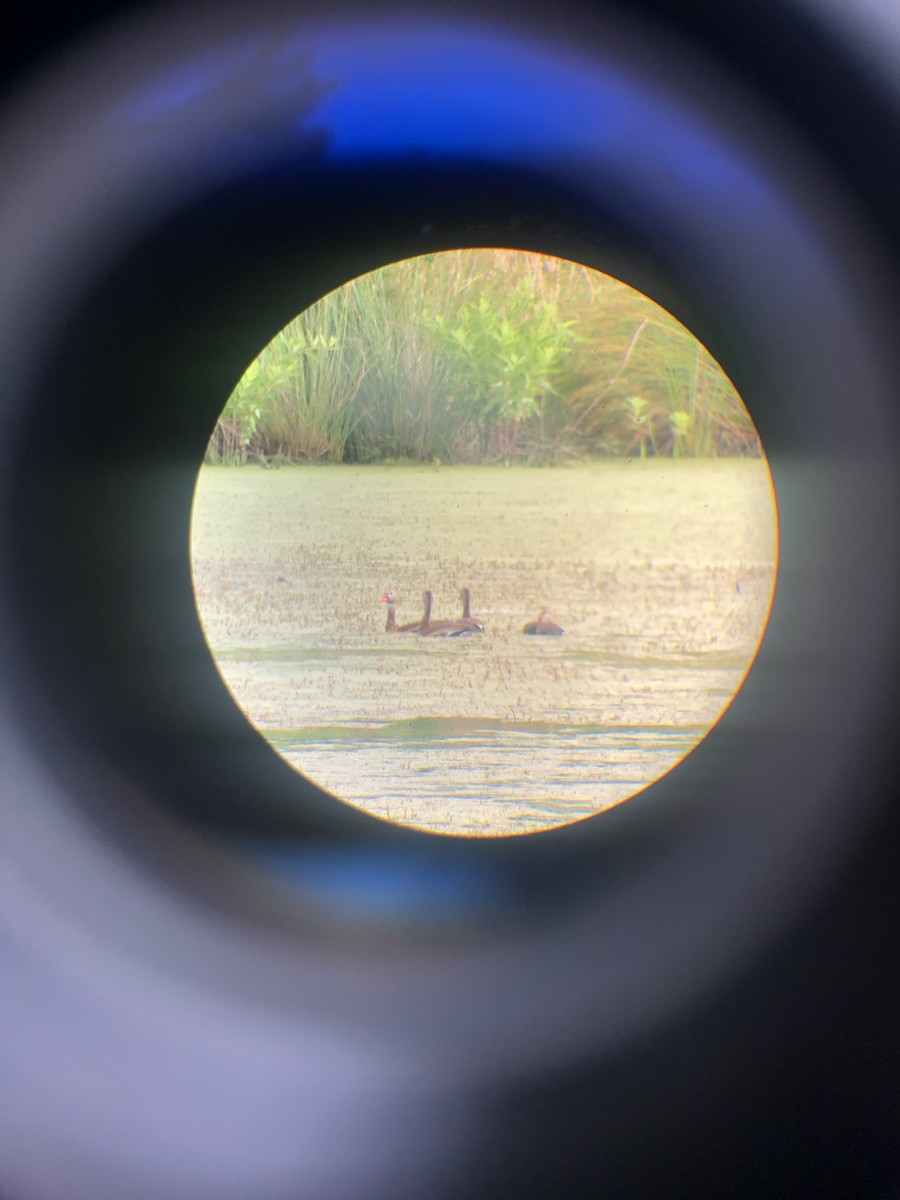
x,y
518,775
660,572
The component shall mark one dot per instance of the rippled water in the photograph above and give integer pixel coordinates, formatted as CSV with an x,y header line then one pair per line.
x,y
660,572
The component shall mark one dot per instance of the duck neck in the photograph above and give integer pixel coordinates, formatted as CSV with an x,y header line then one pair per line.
x,y
391,618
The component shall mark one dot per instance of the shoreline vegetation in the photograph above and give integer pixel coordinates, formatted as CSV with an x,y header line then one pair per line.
x,y
482,356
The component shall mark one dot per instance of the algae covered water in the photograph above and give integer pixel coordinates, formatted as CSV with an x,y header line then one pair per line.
x,y
661,573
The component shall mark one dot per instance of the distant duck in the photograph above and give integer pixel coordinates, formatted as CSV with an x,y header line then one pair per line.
x,y
429,628
390,599
543,625
466,596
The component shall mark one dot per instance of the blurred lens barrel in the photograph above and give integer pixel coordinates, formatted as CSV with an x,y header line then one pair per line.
x,y
690,995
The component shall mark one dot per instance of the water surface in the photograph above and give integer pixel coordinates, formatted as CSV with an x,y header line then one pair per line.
x,y
661,573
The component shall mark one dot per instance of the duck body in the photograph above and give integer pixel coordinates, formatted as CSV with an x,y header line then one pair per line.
x,y
544,626
390,599
466,596
429,628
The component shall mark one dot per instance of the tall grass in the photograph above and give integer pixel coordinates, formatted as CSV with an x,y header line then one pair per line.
x,y
296,400
479,355
403,406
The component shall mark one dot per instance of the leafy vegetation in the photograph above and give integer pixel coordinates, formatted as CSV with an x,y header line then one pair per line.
x,y
482,355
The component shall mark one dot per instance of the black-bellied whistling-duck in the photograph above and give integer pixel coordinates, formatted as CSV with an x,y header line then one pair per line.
x,y
543,625
430,628
466,596
390,599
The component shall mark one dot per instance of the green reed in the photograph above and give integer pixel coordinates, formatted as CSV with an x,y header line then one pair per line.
x,y
483,355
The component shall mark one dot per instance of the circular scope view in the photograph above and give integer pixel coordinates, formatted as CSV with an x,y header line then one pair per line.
x,y
484,542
